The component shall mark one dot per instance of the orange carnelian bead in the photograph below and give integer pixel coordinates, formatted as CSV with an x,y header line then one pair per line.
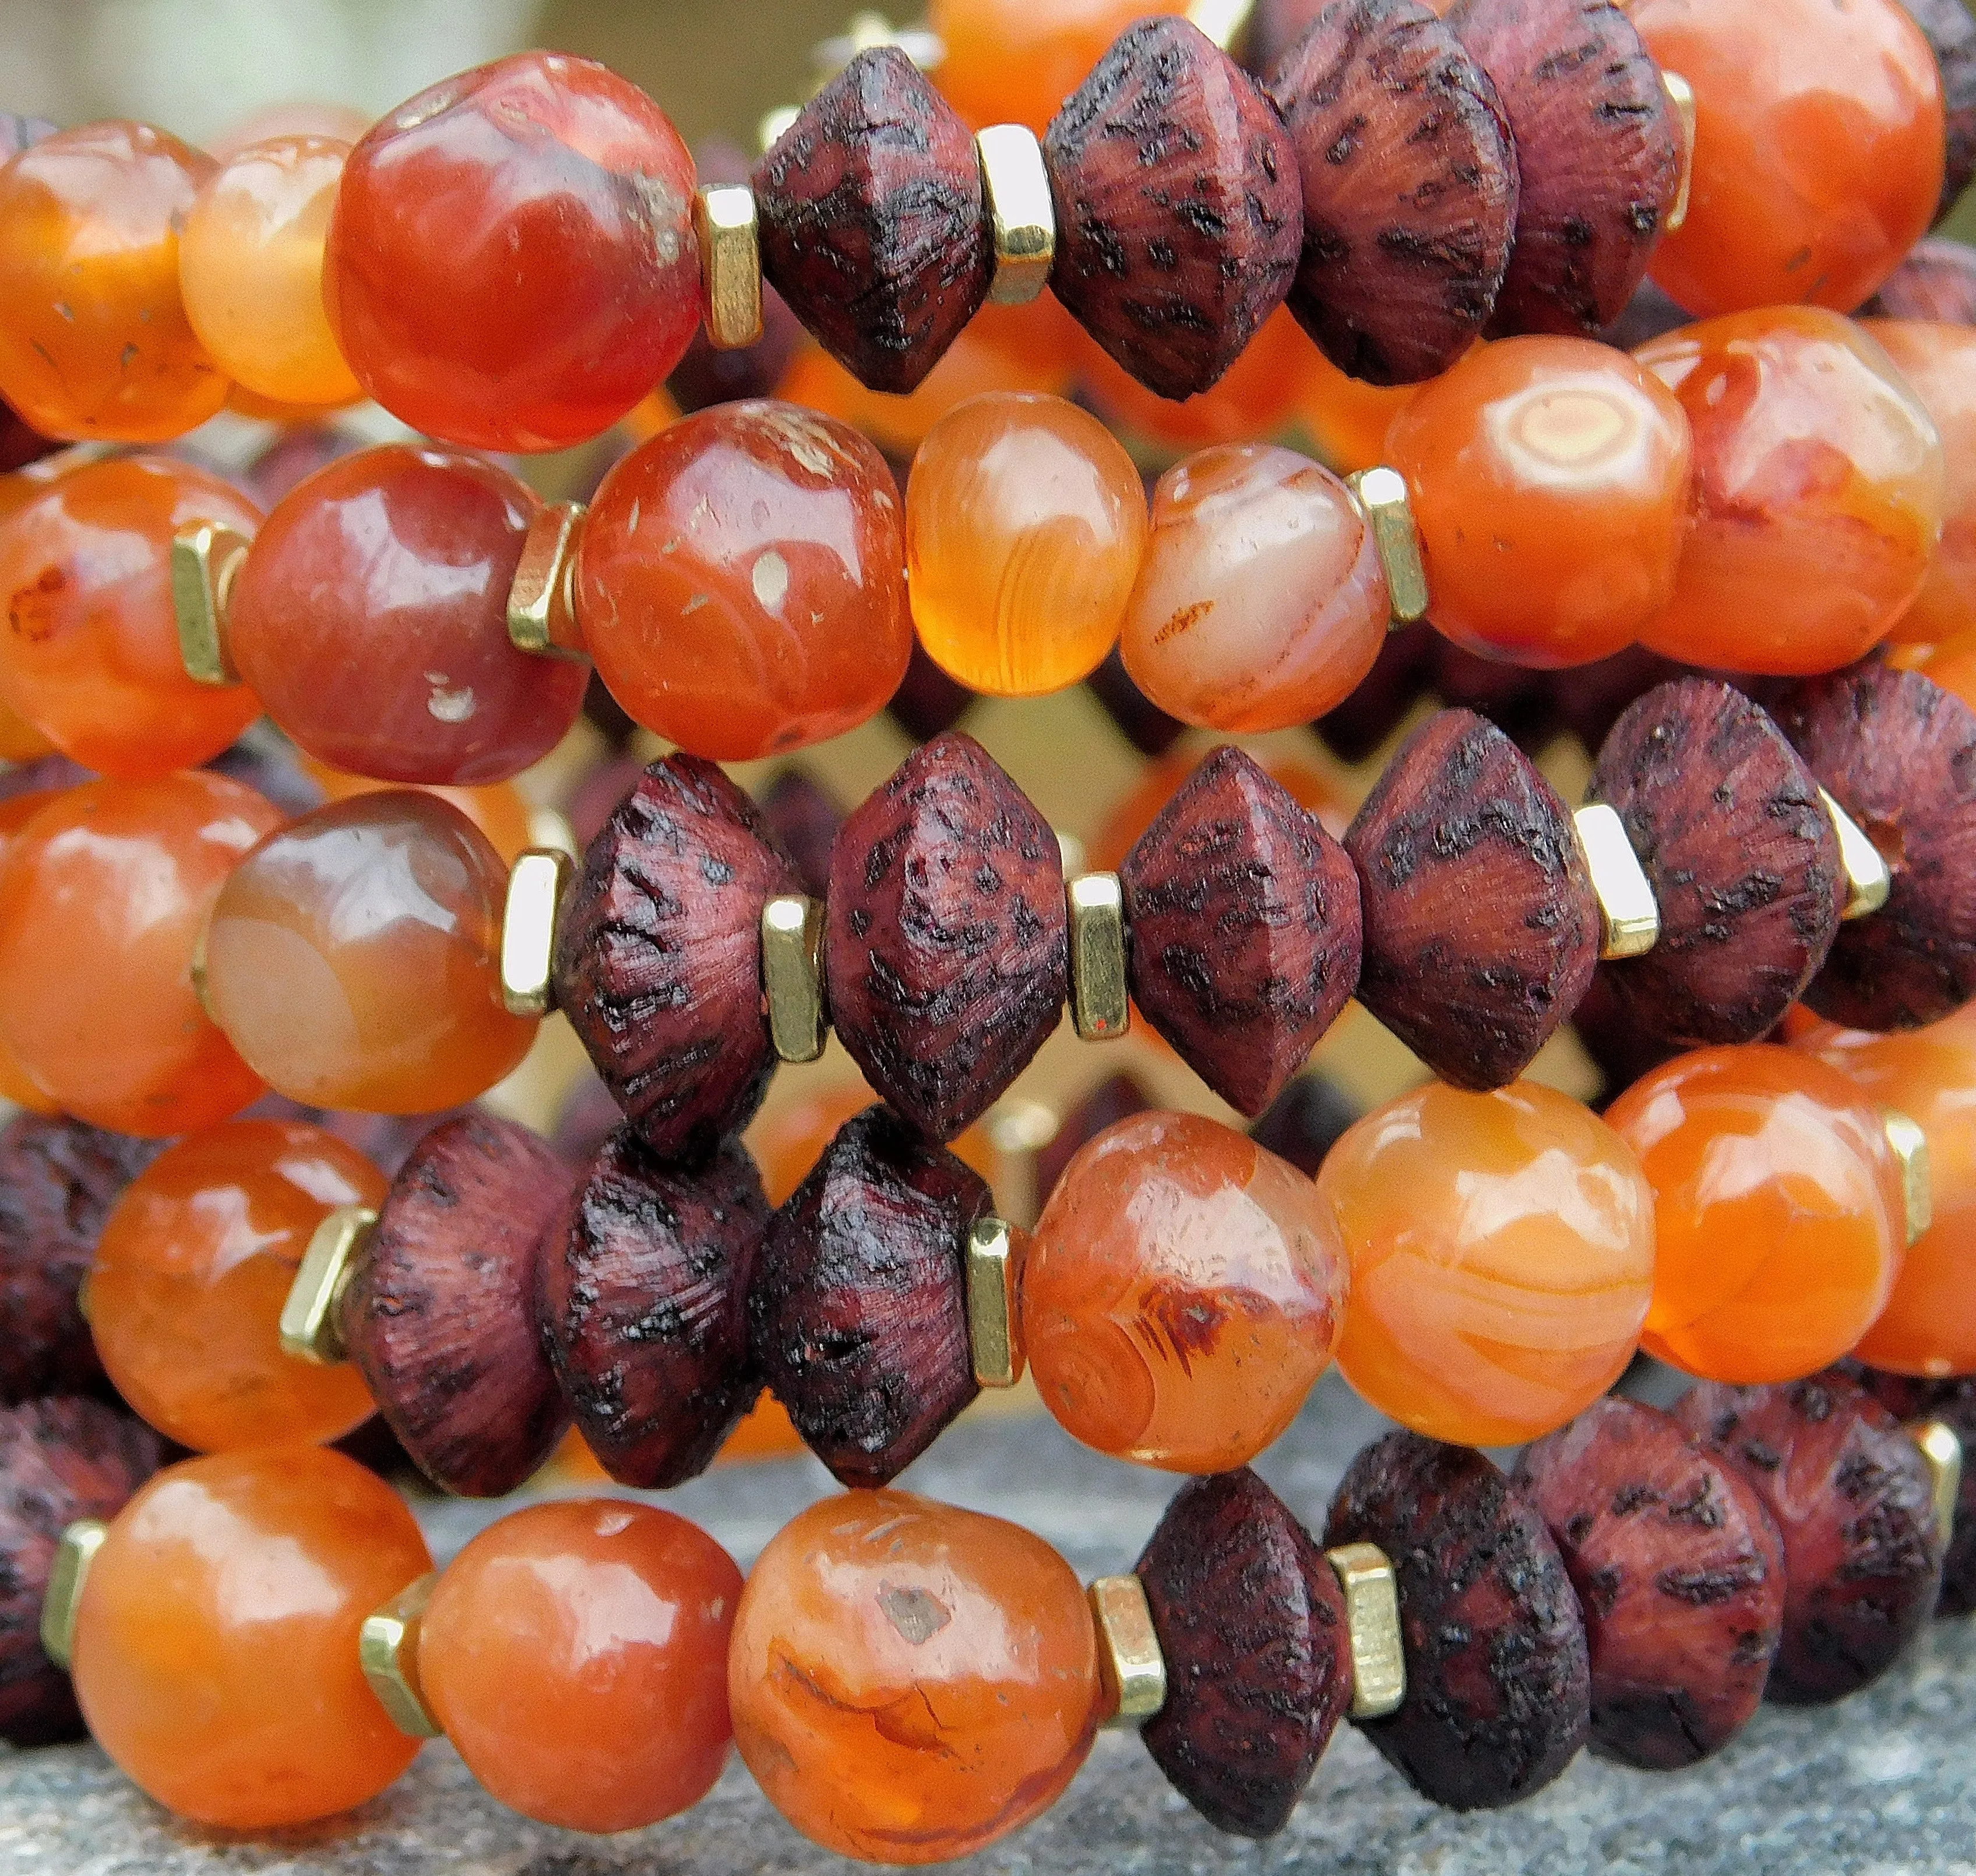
x,y
910,1681
1344,417
1818,148
103,896
15,1084
741,581
1550,481
1502,1251
496,809
1779,1210
186,1288
1183,1290
92,658
1012,61
576,1654
250,266
1819,492
1939,363
215,1640
1025,521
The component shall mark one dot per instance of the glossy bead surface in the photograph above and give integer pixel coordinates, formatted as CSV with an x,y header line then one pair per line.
x,y
1009,63
1502,1249
741,583
15,1084
1778,1207
576,1654
910,1681
215,1643
1024,522
1939,363
354,958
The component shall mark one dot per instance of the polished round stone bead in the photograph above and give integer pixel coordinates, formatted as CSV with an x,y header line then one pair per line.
x,y
1938,362
15,1084
1007,62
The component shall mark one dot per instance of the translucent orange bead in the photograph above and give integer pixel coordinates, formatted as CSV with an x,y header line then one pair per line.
x,y
497,808
910,1682
250,268
576,1654
1778,1207
20,741
103,897
186,1288
1025,521
15,1084
1344,417
1502,1251
295,117
94,336
216,1642
354,959
1010,62
1256,397
1939,363
1819,492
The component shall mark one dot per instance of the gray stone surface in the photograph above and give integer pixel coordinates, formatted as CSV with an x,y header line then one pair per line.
x,y
1881,1785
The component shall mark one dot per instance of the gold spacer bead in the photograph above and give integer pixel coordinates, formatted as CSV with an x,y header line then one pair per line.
x,y
535,886
792,976
1100,1003
1222,22
74,1552
1910,1150
1680,95
730,264
387,1650
1019,209
992,1332
1372,1619
310,1327
1382,498
541,600
205,562
1629,921
1868,881
1130,1664
1943,1451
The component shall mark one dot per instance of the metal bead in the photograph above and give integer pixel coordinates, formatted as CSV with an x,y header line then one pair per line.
x,y
1100,1004
730,264
541,601
792,976
1020,210
1910,1150
310,1326
1372,1616
1680,94
991,1304
387,1650
1382,495
1130,1664
536,885
1868,881
1629,921
75,1553
1943,1451
205,562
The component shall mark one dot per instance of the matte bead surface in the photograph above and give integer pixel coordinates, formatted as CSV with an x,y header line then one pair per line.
x,y
1938,362
804,821
1954,1404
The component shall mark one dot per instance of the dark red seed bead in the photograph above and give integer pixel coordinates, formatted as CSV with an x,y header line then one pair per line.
x,y
805,821
1951,35
1141,721
1517,700
929,701
1389,690
1589,699
1954,1404
1614,1041
1646,315
1118,1097
1305,1121
1937,280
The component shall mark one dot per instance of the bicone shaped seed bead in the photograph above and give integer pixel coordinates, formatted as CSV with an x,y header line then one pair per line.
x,y
1953,1403
803,820
1937,281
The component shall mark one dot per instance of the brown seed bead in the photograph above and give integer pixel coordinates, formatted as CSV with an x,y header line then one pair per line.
x,y
858,1308
1728,827
1615,1042
1898,754
1909,1399
441,1314
929,701
873,221
1409,178
946,940
644,1308
1680,1574
1936,281
658,955
803,822
1305,1121
1499,1688
59,1460
1851,1494
1481,927
1950,33
1591,698
1141,722
1116,1098
1379,706
1252,1624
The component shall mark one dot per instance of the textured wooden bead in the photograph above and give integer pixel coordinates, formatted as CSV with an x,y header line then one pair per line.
x,y
1954,1402
658,956
857,1309
644,1308
442,1311
1481,929
1936,281
1898,754
1498,1695
1679,1571
1727,825
873,225
1950,33
946,943
1379,706
1410,182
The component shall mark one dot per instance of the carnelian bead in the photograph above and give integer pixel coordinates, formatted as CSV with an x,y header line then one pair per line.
x,y
497,808
354,958
94,336
371,619
1818,148
1779,1207
576,1654
194,1265
103,896
1183,1290
215,1640
15,1084
512,262
910,1682
1819,492
1024,522
1550,480
1502,1251
1255,396
250,268
1345,417
741,582
91,658
1012,61
1938,364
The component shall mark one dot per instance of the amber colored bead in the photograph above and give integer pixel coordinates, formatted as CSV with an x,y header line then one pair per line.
x,y
186,1289
1550,484
1502,1249
576,1654
215,1643
1778,1209
511,263
1007,62
91,655
20,741
1819,492
742,581
1938,364
395,1008
1818,148
102,900
1024,522
93,338
16,1084
497,808
910,1681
